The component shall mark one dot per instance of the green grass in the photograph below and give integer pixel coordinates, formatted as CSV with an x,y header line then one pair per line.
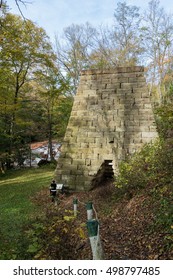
x,y
17,211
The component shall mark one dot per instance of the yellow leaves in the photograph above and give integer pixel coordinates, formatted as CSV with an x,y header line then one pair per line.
x,y
172,227
68,218
56,239
68,211
52,230
163,189
80,232
65,230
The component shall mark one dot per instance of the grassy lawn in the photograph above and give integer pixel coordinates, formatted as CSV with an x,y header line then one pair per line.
x,y
17,211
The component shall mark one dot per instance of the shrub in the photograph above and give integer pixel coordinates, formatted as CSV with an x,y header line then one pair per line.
x,y
151,170
139,169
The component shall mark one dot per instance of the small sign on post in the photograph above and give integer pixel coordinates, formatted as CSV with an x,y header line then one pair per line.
x,y
59,187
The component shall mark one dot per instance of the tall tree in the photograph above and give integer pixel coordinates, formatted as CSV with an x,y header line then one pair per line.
x,y
104,53
50,90
157,38
74,50
126,33
25,48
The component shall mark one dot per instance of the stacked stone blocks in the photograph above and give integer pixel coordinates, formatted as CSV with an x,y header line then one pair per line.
x,y
111,117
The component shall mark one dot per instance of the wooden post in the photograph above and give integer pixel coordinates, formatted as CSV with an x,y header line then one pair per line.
x,y
93,232
89,207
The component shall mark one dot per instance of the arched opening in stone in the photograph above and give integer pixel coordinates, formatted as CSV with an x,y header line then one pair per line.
x,y
104,174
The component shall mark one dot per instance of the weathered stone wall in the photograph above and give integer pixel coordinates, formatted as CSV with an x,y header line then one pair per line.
x,y
111,117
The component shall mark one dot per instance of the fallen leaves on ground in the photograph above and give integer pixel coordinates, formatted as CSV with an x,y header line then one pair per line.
x,y
126,227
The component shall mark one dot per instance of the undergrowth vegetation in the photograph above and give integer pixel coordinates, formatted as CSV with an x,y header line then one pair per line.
x,y
151,171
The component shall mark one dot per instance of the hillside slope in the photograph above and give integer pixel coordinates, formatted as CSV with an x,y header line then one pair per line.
x,y
129,227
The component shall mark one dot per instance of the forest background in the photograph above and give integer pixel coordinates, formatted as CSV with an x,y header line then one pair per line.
x,y
38,80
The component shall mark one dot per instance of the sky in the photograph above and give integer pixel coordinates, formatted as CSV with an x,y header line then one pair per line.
x,y
55,15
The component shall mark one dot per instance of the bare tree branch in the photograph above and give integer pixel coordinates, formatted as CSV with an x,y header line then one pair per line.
x,y
18,6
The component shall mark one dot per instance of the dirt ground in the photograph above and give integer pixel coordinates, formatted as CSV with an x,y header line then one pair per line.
x,y
126,226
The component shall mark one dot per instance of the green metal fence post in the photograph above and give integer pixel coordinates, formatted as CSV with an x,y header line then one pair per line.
x,y
95,242
89,207
75,203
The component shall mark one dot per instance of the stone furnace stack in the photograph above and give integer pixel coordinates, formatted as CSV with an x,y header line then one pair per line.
x,y
111,117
